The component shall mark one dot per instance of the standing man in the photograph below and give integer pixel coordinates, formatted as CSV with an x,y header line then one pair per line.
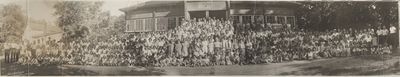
x,y
185,46
393,35
379,33
170,48
6,53
385,34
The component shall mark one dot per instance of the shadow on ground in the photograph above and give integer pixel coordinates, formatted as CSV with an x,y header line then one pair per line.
x,y
340,66
115,70
13,69
349,66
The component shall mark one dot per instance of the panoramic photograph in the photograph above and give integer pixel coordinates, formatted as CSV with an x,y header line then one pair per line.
x,y
199,38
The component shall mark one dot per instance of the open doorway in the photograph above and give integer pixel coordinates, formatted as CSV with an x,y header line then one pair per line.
x,y
218,14
197,14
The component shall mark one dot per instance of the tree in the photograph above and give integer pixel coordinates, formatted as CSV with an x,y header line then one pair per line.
x,y
76,17
358,15
13,23
110,26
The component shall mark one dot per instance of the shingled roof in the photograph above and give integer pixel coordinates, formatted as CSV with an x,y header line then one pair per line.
x,y
157,3
152,4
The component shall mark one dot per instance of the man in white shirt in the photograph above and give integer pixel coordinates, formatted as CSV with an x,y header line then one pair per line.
x,y
393,36
392,29
204,45
385,33
379,32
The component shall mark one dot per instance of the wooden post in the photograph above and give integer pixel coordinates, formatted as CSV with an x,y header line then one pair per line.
x,y
240,19
286,20
207,13
398,8
126,25
187,15
154,21
228,9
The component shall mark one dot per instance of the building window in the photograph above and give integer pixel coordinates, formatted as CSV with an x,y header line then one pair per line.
x,y
247,19
128,26
270,19
171,22
180,20
235,19
291,20
162,24
139,25
149,24
153,24
281,20
259,19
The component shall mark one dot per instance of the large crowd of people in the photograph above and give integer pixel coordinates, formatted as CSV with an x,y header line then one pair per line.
x,y
208,42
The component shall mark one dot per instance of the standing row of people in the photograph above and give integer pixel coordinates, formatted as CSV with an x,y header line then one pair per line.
x,y
207,42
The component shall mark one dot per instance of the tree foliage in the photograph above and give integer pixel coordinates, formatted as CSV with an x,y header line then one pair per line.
x,y
13,23
110,26
332,15
76,18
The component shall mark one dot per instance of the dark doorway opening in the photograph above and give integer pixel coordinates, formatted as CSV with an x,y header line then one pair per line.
x,y
218,14
197,14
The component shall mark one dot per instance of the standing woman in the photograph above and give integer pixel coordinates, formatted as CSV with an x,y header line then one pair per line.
x,y
178,48
210,46
242,51
217,50
211,49
249,49
171,47
185,46
204,46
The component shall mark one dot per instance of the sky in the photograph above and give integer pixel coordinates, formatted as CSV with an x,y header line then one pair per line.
x,y
114,5
22,3
43,9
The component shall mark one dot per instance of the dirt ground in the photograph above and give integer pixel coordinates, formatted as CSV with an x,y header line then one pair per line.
x,y
340,66
360,65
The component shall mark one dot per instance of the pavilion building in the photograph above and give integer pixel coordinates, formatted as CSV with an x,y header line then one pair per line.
x,y
164,15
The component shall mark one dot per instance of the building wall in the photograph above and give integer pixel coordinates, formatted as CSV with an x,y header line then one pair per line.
x,y
261,8
170,11
42,39
163,17
207,5
165,11
154,18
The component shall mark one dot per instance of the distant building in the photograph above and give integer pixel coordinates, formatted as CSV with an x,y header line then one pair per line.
x,y
163,15
41,31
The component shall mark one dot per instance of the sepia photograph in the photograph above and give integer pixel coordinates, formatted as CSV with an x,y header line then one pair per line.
x,y
199,38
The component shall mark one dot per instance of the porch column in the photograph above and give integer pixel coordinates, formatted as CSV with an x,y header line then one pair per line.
x,y
207,14
228,9
187,15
